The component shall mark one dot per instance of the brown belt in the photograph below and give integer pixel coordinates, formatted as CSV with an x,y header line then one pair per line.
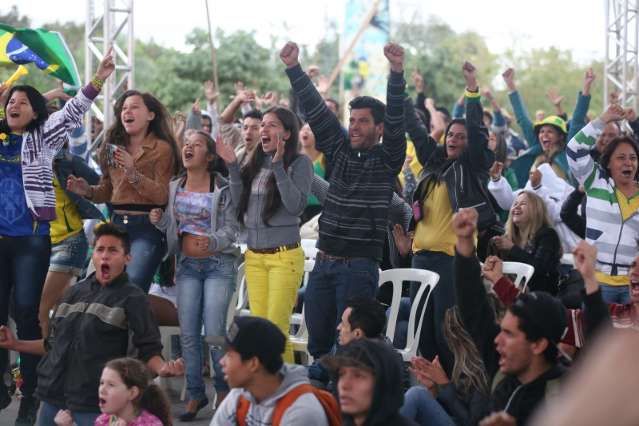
x,y
274,250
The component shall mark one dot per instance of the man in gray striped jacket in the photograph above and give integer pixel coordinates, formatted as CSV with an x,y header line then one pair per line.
x,y
353,224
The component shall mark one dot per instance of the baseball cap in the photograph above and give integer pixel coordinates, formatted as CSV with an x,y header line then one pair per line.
x,y
543,312
256,337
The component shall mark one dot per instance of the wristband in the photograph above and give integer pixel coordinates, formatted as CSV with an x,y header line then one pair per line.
x,y
97,83
133,180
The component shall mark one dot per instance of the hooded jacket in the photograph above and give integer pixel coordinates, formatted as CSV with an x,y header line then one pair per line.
x,y
517,399
465,177
224,224
306,410
388,395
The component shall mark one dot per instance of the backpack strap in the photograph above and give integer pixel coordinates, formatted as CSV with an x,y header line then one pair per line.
x,y
287,400
242,410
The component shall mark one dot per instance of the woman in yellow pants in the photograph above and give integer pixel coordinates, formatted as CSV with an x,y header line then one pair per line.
x,y
270,193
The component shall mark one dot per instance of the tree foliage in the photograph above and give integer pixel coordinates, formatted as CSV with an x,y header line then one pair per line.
x,y
432,47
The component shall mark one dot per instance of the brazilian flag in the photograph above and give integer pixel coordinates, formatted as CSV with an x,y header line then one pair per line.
x,y
47,50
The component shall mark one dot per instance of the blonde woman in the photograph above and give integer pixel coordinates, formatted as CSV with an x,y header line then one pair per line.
x,y
530,238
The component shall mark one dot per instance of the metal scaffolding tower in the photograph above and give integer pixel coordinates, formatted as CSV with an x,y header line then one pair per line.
x,y
109,23
622,38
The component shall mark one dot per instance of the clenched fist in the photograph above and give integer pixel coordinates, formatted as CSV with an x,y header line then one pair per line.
x,y
395,55
289,54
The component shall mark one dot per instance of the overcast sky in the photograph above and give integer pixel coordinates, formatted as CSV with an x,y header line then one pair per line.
x,y
576,25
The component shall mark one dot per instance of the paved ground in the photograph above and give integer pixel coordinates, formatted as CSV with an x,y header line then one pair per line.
x,y
8,416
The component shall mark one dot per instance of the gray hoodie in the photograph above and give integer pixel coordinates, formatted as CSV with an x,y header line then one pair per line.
x,y
224,224
306,410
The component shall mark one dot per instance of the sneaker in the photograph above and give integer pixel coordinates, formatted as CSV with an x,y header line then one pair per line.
x,y
28,411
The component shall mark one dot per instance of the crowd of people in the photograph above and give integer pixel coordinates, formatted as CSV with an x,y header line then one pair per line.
x,y
156,223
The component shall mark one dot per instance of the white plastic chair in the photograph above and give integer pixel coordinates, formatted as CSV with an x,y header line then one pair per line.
x,y
299,340
310,249
427,280
568,259
523,273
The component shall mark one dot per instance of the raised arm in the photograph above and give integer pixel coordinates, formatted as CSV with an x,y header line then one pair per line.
x,y
226,153
475,310
578,119
582,166
55,130
521,114
394,139
425,145
325,125
478,155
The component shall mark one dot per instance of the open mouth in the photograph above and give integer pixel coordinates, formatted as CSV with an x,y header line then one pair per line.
x,y
105,269
101,402
634,287
627,173
129,120
188,155
14,114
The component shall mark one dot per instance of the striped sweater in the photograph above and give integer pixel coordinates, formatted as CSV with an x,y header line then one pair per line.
x,y
355,215
616,239
39,148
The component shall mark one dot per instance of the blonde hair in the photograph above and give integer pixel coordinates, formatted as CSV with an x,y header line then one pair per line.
x,y
469,372
538,218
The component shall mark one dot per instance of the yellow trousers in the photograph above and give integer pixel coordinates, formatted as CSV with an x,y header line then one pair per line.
x,y
272,281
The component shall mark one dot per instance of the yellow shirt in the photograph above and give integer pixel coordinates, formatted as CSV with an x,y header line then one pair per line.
x,y
415,165
68,221
627,206
435,232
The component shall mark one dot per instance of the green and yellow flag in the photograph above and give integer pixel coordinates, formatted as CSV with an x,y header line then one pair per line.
x,y
46,49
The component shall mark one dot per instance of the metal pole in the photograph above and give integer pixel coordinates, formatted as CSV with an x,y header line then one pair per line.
x,y
213,54
131,76
607,53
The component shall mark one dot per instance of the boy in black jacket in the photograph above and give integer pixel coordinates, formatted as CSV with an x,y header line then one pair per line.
x,y
521,351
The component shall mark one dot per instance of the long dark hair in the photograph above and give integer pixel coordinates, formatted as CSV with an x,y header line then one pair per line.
x,y
216,165
252,168
38,104
160,126
440,163
151,398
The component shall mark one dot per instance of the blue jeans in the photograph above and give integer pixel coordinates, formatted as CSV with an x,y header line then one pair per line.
x,y
24,262
205,287
148,246
615,294
330,285
421,407
432,341
81,418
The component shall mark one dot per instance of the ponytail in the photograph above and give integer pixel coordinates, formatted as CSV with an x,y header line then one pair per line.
x,y
154,401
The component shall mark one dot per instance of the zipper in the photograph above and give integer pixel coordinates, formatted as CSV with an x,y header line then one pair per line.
x,y
512,396
613,267
455,189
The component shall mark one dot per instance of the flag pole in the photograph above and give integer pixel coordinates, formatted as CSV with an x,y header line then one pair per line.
x,y
213,54
365,23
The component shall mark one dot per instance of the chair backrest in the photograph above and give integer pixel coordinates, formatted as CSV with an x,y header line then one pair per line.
x,y
310,248
427,280
240,284
235,303
523,273
302,331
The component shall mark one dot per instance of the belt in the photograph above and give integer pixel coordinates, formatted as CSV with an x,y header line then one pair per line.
x,y
273,250
323,256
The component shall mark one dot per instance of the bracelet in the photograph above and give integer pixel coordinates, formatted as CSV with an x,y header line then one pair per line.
x,y
97,83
